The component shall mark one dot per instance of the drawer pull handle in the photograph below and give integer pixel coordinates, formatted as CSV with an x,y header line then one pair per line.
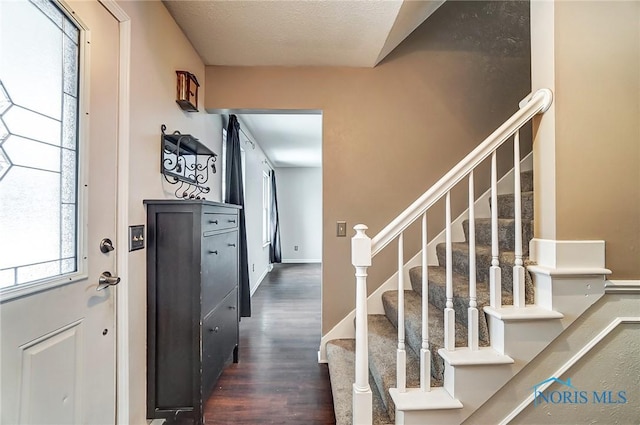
x,y
232,220
214,330
213,221
232,307
213,252
232,244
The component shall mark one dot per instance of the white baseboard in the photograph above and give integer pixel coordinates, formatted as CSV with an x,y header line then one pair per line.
x,y
261,278
344,329
300,260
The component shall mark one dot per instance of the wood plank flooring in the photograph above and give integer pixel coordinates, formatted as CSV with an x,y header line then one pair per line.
x,y
278,379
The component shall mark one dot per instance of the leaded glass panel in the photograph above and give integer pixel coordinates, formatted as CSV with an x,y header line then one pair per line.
x,y
39,72
31,60
20,150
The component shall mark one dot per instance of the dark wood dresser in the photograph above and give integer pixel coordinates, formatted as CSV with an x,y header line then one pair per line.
x,y
192,304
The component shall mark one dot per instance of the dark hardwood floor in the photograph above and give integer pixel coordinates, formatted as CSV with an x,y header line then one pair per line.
x,y
278,379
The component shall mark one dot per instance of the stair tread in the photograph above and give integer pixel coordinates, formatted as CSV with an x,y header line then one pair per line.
x,y
501,220
341,360
506,205
437,275
413,321
383,343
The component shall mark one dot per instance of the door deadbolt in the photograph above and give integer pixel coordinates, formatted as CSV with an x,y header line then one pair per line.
x,y
106,245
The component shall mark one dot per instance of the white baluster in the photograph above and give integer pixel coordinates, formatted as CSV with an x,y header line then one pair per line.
x,y
495,279
518,268
401,354
473,310
361,260
425,354
449,312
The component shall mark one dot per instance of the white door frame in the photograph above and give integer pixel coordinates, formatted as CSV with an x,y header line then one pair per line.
x,y
122,212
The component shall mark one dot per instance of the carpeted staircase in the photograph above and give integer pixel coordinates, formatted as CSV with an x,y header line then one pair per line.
x,y
383,328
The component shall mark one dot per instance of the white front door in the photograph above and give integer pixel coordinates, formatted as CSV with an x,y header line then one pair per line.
x,y
58,162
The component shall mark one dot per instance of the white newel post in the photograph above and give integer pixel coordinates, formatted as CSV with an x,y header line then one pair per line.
x,y
361,260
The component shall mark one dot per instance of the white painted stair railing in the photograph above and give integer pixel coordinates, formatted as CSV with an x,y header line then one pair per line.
x,y
363,250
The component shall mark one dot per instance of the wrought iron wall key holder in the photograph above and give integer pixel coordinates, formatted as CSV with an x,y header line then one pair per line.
x,y
185,160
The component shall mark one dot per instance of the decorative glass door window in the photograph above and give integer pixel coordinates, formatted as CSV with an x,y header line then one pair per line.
x,y
39,74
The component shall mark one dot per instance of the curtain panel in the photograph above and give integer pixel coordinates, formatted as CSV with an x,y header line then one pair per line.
x,y
235,195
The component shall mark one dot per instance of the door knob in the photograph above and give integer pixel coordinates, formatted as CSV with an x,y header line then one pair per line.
x,y
107,280
106,245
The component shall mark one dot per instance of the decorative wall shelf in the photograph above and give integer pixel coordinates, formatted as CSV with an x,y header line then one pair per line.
x,y
186,161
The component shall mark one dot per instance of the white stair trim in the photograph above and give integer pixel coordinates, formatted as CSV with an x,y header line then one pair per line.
x,y
567,272
416,399
567,254
463,356
530,312
622,286
572,361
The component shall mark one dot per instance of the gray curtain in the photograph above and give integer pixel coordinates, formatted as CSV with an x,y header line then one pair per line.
x,y
275,254
235,195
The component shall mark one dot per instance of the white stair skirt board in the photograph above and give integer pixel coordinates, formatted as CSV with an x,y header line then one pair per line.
x,y
620,302
344,329
572,361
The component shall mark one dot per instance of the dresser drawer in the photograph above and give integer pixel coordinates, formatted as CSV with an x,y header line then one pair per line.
x,y
217,221
219,267
219,338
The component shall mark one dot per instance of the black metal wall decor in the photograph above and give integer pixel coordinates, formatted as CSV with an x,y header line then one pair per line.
x,y
186,161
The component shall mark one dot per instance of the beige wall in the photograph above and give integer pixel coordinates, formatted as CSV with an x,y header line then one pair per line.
x,y
598,117
589,53
392,131
158,49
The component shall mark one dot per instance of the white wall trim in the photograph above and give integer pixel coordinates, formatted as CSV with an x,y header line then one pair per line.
x,y
300,260
260,279
622,286
122,213
344,329
558,254
571,362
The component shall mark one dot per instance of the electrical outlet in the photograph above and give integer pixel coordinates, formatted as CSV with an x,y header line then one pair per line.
x,y
341,229
253,267
295,247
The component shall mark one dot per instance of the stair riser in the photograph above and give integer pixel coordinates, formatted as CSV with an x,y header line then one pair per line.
x,y
438,299
526,181
506,206
413,337
506,234
483,265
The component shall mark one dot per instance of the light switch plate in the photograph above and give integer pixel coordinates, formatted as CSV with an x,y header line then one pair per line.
x,y
341,229
136,237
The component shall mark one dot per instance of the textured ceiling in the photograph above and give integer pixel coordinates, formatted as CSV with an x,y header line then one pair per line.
x,y
355,33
